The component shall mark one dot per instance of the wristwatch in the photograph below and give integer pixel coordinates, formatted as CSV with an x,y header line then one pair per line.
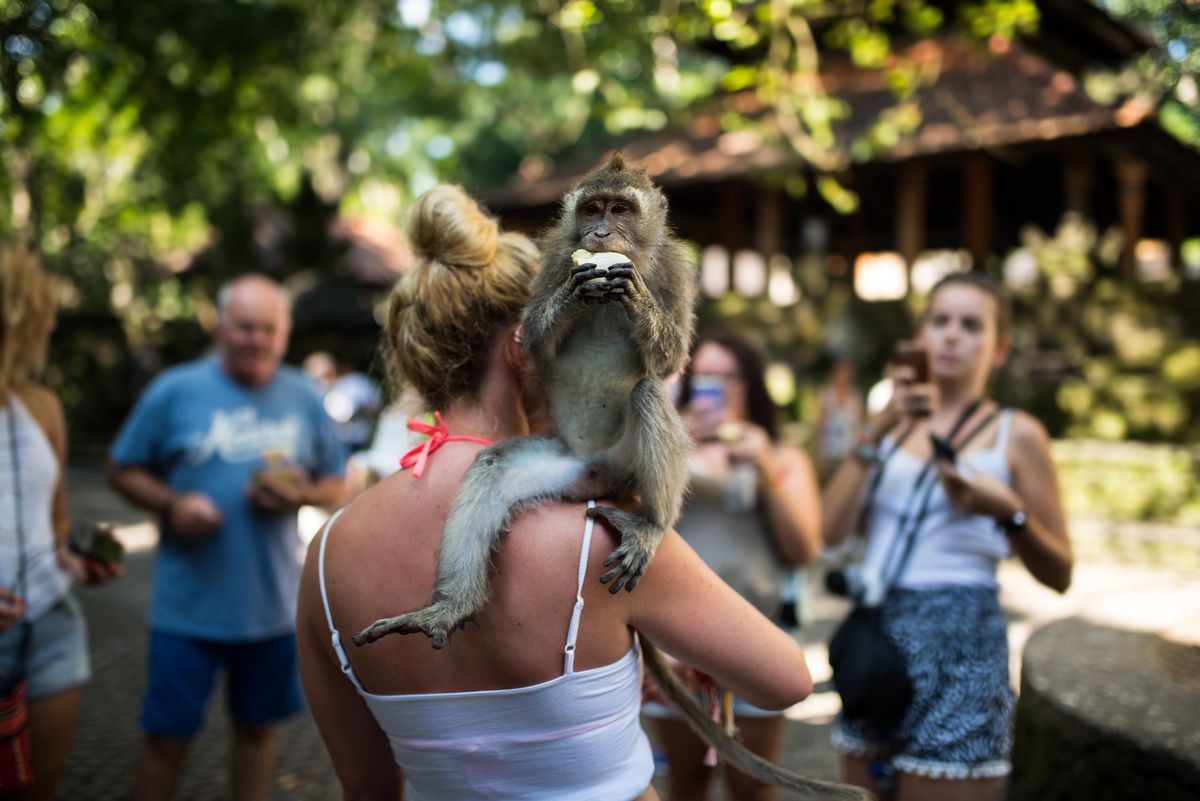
x,y
1014,526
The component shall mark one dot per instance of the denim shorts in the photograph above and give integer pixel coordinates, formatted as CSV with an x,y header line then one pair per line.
x,y
959,724
57,656
264,682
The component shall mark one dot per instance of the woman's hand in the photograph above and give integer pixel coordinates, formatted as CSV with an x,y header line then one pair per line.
x,y
653,692
753,445
978,495
702,420
89,572
12,608
911,401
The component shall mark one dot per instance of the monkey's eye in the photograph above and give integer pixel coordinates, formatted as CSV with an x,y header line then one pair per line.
x,y
591,208
620,208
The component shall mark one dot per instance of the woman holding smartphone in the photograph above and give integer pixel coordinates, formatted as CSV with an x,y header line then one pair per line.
x,y
944,474
752,513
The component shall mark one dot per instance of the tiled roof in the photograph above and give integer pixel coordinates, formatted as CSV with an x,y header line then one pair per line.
x,y
983,98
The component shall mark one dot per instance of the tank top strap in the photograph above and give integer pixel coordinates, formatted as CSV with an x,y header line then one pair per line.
x,y
573,630
335,636
1002,431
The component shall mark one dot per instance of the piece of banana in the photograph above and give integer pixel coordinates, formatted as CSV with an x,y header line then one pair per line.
x,y
602,260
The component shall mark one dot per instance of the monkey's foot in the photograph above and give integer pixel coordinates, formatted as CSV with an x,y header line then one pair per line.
x,y
437,621
639,538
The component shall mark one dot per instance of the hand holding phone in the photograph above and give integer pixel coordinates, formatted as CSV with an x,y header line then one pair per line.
x,y
914,355
707,406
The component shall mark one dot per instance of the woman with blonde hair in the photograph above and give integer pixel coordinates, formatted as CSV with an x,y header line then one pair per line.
x,y
540,699
42,634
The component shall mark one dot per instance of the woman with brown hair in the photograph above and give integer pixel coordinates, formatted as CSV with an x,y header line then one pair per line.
x,y
539,698
42,634
752,514
946,484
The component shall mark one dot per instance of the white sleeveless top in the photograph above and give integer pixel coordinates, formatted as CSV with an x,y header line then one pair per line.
x,y
951,547
573,738
45,580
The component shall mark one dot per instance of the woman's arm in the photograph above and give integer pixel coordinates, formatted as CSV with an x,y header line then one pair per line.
x,y
793,504
1043,544
685,609
359,749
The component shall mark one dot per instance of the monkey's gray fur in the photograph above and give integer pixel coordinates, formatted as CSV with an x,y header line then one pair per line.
x,y
601,350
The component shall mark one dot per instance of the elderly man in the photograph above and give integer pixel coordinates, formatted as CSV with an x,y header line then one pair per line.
x,y
225,450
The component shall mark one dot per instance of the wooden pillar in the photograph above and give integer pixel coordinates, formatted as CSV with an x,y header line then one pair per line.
x,y
912,201
1077,187
979,208
1175,223
731,216
1131,208
768,223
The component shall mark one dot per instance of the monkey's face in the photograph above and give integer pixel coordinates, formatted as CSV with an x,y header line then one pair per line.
x,y
608,223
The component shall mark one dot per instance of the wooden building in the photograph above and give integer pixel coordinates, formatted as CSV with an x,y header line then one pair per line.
x,y
1008,138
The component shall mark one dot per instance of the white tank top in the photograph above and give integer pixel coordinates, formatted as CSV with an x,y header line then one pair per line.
x,y
45,580
951,547
573,738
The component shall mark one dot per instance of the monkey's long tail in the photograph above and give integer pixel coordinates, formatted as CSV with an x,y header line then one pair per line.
x,y
733,751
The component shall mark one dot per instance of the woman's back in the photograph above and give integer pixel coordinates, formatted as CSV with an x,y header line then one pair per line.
x,y
381,558
508,702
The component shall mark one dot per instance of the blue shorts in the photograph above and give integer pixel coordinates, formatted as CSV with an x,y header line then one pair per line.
x,y
959,725
57,659
264,682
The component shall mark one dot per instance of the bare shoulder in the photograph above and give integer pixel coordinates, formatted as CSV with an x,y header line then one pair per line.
x,y
1028,432
45,407
546,526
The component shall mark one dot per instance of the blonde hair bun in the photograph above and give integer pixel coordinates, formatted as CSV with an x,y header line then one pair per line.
x,y
446,225
468,284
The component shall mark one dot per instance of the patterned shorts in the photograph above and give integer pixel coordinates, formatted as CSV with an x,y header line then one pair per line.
x,y
959,725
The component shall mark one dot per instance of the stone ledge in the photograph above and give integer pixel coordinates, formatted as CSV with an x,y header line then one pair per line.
x,y
1103,717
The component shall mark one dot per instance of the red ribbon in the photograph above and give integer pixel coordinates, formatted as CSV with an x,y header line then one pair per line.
x,y
438,436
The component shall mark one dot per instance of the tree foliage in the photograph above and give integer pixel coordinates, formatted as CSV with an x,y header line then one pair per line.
x,y
135,135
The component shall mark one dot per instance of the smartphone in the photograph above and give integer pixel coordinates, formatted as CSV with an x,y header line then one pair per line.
x,y
915,355
943,451
708,392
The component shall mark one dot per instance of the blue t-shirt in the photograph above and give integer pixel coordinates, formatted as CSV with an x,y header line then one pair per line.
x,y
200,431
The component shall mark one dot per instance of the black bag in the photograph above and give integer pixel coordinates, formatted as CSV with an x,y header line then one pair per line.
x,y
870,672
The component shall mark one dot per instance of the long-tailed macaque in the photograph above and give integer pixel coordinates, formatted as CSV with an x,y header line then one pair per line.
x,y
602,340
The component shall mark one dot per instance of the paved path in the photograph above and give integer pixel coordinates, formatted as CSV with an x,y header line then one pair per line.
x,y
101,765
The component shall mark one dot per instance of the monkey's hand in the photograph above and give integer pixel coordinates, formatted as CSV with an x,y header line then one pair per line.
x,y
639,540
437,621
593,284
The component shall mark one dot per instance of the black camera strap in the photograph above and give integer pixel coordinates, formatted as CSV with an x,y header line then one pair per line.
x,y
925,489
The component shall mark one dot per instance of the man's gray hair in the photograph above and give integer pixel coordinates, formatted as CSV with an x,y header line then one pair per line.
x,y
225,292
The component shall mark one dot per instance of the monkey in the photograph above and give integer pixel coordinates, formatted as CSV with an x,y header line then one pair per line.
x,y
602,341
